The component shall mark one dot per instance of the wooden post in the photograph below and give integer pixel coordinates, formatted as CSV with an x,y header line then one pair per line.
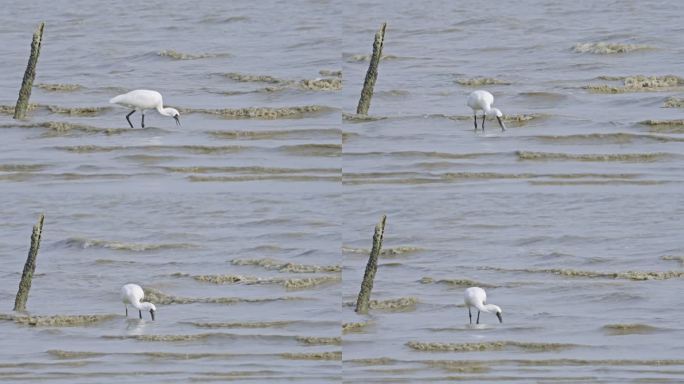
x,y
371,268
29,267
29,74
372,74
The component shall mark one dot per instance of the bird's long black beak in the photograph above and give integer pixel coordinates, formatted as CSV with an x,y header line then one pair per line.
x,y
501,123
177,120
498,314
152,314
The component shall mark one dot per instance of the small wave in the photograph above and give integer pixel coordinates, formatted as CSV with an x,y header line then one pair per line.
x,y
664,126
673,258
271,264
355,326
22,167
629,329
170,53
639,83
488,346
311,340
59,87
267,135
674,102
337,356
421,154
84,243
265,113
326,150
401,304
78,111
605,138
354,118
261,324
159,297
626,157
464,283
61,354
478,81
628,275
328,72
9,109
60,320
247,78
289,283
395,251
321,84
350,58
195,149
251,170
237,179
597,182
607,48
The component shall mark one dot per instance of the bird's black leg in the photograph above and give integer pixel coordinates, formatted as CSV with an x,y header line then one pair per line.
x,y
126,310
143,120
478,317
484,116
129,120
470,316
140,314
475,118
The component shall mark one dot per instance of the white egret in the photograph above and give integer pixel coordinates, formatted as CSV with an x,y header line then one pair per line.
x,y
132,294
142,99
482,101
477,297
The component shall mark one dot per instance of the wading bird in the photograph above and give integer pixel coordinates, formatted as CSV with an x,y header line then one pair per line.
x,y
142,99
482,101
132,294
476,297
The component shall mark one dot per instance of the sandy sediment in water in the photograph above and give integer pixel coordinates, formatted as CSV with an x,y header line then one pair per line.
x,y
336,355
248,78
158,297
354,118
61,354
22,167
674,102
312,340
478,81
664,126
251,170
638,83
267,135
464,283
290,283
625,157
59,87
239,179
84,243
402,304
607,48
78,111
629,329
387,252
487,346
329,72
57,128
9,109
57,320
457,366
331,84
327,150
258,324
627,275
265,113
606,138
355,326
170,53
272,264
673,258
193,149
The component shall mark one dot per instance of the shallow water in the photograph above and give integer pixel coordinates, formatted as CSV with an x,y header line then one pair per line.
x,y
234,223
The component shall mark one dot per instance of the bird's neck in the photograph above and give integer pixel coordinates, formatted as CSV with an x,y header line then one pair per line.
x,y
487,108
490,308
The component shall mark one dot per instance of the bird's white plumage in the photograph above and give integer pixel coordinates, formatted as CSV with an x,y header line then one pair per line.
x,y
477,297
143,99
132,294
482,101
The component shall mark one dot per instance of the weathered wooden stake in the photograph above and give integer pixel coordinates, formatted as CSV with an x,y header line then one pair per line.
x,y
372,74
367,284
29,74
29,267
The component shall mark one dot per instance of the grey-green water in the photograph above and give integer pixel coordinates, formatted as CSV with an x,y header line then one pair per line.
x,y
251,223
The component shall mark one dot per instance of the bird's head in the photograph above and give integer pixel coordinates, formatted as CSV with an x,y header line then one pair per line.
x,y
498,313
173,112
149,307
495,112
